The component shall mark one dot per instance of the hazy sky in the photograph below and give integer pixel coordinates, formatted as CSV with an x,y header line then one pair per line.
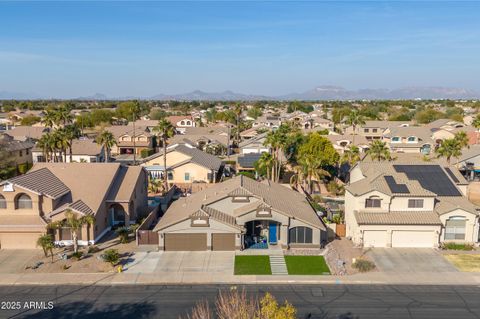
x,y
70,49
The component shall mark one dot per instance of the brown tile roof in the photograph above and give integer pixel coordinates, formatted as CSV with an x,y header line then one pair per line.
x,y
220,216
41,181
24,132
397,218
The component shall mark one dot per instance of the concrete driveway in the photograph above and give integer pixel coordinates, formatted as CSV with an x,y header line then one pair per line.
x,y
14,261
196,261
410,260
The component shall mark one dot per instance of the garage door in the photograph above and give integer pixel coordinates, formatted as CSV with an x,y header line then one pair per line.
x,y
223,242
19,240
374,238
412,238
186,242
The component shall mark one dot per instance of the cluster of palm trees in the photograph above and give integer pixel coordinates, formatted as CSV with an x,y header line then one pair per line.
x,y
452,147
58,142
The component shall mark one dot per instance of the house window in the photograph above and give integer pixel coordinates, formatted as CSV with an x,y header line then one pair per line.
x,y
415,203
374,130
27,151
373,202
21,153
182,123
23,202
366,130
3,202
412,139
300,235
170,176
187,176
396,139
455,228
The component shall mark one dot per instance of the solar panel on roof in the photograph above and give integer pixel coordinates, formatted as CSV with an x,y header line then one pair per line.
x,y
452,176
248,160
430,177
395,187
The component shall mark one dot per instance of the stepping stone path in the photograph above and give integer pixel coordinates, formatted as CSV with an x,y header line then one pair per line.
x,y
278,265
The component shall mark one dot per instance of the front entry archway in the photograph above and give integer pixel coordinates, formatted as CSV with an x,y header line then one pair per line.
x,y
261,233
117,215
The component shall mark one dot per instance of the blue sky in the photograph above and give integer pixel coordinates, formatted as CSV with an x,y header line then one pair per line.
x,y
70,49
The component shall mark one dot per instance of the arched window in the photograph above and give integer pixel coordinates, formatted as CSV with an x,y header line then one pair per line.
x,y
182,123
300,235
411,139
23,202
396,139
3,202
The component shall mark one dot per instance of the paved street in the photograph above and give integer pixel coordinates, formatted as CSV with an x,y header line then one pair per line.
x,y
410,260
312,301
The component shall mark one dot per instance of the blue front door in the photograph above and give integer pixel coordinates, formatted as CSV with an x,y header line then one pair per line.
x,y
272,233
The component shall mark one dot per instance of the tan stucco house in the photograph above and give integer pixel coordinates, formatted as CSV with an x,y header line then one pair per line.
x,y
112,193
240,213
405,204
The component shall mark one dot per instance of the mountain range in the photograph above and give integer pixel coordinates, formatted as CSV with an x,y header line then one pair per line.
x,y
325,92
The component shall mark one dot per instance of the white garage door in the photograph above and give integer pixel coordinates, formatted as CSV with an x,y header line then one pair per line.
x,y
420,239
19,240
374,238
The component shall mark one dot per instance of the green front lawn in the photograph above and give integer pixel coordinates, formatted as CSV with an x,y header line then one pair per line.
x,y
252,265
306,265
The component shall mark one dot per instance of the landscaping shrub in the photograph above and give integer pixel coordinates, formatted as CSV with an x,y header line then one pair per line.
x,y
363,265
23,168
146,153
457,246
77,256
111,256
93,249
123,233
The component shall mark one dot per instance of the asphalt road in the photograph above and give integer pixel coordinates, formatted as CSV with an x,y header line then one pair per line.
x,y
312,301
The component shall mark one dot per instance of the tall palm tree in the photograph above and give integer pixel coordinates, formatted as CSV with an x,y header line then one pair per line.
x,y
107,140
72,132
74,223
462,139
476,124
238,113
351,155
313,170
63,115
135,109
265,162
449,148
379,151
165,130
50,118
61,142
47,144
299,177
354,118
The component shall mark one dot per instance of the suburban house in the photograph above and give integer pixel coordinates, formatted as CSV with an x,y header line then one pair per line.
x,y
374,130
20,152
408,204
201,137
344,142
181,123
410,139
254,145
83,150
469,162
185,165
112,193
268,121
240,213
246,162
129,142
23,133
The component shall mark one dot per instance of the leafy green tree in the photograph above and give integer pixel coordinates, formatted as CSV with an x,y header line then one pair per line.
x,y
164,130
379,151
428,115
7,162
75,224
107,140
264,165
255,112
29,120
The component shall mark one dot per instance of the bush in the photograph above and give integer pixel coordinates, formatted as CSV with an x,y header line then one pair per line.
x,y
77,256
111,256
363,265
93,249
23,168
318,199
456,246
123,233
248,174
146,152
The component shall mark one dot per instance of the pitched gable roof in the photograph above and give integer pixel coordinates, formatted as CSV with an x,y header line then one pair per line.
x,y
41,181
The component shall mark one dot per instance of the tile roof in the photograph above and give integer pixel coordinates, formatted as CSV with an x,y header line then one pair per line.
x,y
41,181
397,218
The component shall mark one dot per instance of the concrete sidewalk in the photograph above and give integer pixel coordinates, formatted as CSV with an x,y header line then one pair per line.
x,y
428,278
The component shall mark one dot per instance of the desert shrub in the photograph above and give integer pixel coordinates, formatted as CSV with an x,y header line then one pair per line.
x,y
77,256
123,233
93,249
146,153
363,265
457,246
111,256
318,199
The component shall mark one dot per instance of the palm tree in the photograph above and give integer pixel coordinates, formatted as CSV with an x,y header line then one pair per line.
x,y
313,170
351,155
72,132
50,118
154,185
449,148
165,130
47,143
62,142
238,113
107,140
63,115
46,242
265,162
476,124
462,139
135,109
75,224
299,177
354,118
379,151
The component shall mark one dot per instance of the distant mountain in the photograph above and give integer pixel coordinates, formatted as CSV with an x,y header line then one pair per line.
x,y
340,93
325,92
